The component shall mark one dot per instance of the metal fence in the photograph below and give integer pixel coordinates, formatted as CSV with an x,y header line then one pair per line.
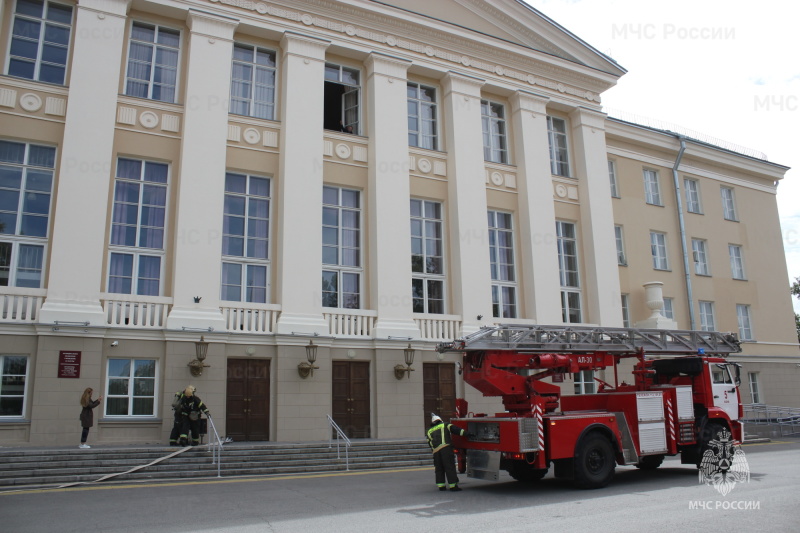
x,y
786,418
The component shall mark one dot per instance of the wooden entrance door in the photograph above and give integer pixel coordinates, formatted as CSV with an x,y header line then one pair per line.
x,y
351,398
247,416
439,390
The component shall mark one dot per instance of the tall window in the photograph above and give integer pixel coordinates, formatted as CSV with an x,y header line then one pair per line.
x,y
621,260
658,248
737,261
501,252
253,82
612,178
40,41
728,203
422,129
26,185
559,154
669,311
652,190
568,272
245,238
342,95
700,256
707,322
755,393
137,228
584,382
131,387
341,248
13,378
745,326
427,257
626,311
692,188
153,62
495,148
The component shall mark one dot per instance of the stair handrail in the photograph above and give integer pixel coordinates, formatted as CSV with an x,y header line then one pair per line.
x,y
783,417
339,434
216,446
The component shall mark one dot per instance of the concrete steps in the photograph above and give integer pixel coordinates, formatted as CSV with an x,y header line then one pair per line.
x,y
26,468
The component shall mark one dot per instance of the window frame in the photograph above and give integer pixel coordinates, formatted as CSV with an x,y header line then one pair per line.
x,y
612,178
496,151
619,239
558,167
340,270
736,255
652,187
419,103
131,396
40,42
700,257
707,315
755,389
694,202
150,82
500,288
569,280
136,251
26,379
745,322
626,311
729,210
427,279
246,262
659,262
584,382
669,308
344,123
251,100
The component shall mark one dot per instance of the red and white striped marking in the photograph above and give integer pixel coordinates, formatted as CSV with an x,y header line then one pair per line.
x,y
671,420
537,411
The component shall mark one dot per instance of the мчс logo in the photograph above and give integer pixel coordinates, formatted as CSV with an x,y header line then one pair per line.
x,y
723,464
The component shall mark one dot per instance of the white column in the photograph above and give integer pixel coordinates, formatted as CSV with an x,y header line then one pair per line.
x,y
87,159
299,247
538,255
389,192
601,286
470,274
200,188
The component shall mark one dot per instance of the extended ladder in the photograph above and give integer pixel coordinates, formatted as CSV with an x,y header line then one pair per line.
x,y
584,339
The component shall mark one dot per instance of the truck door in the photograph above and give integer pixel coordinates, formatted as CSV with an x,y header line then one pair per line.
x,y
723,386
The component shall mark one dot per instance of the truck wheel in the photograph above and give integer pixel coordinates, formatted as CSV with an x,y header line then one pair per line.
x,y
594,462
712,431
650,462
524,472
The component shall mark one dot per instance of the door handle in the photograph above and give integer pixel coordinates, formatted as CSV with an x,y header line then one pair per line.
x,y
715,396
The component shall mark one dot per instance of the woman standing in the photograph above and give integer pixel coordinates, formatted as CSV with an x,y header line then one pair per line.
x,y
87,416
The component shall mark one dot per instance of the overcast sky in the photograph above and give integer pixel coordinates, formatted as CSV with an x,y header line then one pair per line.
x,y
726,68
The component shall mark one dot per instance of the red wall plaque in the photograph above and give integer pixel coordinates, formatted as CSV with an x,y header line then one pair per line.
x,y
69,364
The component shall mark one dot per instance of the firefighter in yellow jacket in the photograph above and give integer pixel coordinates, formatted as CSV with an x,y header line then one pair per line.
x,y
443,457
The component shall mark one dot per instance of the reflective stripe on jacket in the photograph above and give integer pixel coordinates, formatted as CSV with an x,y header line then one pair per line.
x,y
439,435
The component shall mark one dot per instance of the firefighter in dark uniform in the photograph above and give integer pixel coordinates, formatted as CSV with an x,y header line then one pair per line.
x,y
442,446
191,407
178,419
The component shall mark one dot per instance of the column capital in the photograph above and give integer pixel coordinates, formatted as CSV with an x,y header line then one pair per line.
x,y
113,7
211,24
303,45
525,101
457,82
582,116
386,65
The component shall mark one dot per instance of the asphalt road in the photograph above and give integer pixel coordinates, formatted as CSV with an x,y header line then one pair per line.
x,y
669,499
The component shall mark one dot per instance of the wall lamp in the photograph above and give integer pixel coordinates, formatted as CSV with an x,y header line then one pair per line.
x,y
306,369
408,354
201,351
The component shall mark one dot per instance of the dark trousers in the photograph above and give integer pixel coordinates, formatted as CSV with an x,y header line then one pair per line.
x,y
444,461
84,435
175,434
192,426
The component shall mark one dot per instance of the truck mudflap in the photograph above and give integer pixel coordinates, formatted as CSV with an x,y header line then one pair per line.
x,y
483,464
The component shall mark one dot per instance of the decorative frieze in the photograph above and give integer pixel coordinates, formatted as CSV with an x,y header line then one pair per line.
x,y
409,45
170,123
8,98
55,106
30,102
498,179
126,115
565,192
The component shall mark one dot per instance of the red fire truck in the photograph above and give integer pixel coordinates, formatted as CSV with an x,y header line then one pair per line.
x,y
676,404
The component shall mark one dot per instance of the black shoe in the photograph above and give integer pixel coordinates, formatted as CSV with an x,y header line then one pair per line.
x,y
442,488
455,489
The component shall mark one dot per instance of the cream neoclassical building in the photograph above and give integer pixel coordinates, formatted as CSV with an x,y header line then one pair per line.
x,y
355,176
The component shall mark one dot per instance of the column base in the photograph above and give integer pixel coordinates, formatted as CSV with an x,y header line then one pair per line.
x,y
386,328
196,318
302,324
659,322
72,311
